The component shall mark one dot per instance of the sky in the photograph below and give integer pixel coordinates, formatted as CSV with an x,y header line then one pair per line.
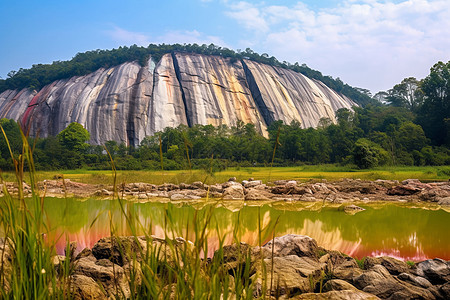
x,y
372,44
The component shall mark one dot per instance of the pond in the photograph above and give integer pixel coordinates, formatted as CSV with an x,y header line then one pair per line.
x,y
401,231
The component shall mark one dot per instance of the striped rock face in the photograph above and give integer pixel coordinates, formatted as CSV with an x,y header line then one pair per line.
x,y
128,102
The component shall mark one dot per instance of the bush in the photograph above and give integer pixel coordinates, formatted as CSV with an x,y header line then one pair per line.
x,y
367,154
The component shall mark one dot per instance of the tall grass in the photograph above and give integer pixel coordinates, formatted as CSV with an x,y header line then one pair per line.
x,y
27,269
158,268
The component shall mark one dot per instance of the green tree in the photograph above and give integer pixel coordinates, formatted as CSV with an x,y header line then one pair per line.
x,y
406,94
74,137
410,137
434,114
367,154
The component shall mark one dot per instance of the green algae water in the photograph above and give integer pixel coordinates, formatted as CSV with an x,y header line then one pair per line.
x,y
404,232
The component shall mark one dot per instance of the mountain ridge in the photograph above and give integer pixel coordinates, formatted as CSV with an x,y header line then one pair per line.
x,y
87,62
127,102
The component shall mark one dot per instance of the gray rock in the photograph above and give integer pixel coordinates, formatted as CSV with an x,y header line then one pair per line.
x,y
235,191
293,244
84,287
437,270
392,265
286,95
111,277
290,274
177,196
444,201
353,209
337,285
379,282
445,290
416,280
250,184
338,295
256,194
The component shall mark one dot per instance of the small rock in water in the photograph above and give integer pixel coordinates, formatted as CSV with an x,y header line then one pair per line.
x,y
353,209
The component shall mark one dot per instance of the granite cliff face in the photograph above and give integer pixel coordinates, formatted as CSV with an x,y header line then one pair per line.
x,y
128,102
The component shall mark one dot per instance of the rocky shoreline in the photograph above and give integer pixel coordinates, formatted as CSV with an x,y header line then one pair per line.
x,y
341,191
287,267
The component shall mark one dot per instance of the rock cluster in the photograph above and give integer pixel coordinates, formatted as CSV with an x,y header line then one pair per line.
x,y
342,191
291,266
346,190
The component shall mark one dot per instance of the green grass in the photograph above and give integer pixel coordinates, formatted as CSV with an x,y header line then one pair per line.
x,y
360,262
303,173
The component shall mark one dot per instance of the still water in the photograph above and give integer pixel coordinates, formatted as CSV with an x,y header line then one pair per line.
x,y
404,232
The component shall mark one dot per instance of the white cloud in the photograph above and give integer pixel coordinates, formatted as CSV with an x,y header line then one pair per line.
x,y
368,43
123,36
248,15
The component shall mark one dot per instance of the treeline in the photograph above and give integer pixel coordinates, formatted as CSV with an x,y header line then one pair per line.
x,y
40,75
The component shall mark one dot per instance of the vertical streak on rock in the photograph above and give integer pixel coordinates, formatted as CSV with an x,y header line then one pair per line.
x,y
257,97
130,127
177,72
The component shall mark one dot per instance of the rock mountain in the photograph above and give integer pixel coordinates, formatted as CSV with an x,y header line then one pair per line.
x,y
127,102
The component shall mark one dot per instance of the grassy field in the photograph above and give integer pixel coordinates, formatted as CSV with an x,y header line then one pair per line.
x,y
303,173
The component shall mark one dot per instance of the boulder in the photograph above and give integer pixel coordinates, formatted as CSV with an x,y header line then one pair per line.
x,y
198,185
6,255
236,255
444,201
234,191
111,276
338,295
256,194
353,209
394,266
379,282
417,183
415,280
337,285
403,190
84,287
167,187
437,270
119,250
290,274
290,188
178,196
215,188
341,266
293,244
445,290
250,184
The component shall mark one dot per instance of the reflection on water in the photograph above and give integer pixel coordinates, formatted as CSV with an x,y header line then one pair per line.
x,y
407,233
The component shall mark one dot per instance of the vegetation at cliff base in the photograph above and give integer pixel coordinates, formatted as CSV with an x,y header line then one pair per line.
x,y
366,138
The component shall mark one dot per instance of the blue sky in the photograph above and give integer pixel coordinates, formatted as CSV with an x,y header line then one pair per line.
x,y
372,44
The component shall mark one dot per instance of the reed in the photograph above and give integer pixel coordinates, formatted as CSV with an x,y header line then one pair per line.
x,y
166,268
27,256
